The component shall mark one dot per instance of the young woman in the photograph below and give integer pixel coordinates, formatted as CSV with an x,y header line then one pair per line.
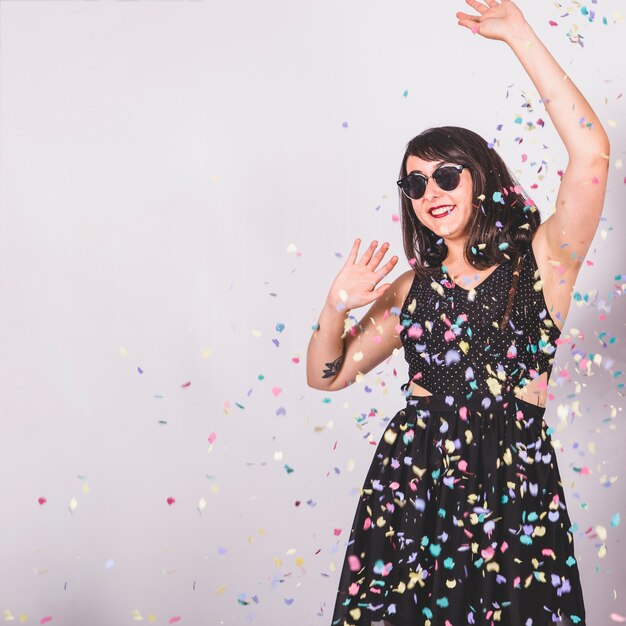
x,y
462,518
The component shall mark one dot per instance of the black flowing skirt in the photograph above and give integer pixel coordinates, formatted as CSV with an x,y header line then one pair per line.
x,y
462,521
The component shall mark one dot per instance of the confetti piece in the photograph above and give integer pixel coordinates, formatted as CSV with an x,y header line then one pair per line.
x,y
171,501
616,617
276,391
173,620
185,385
212,438
615,520
73,504
345,125
201,505
109,564
45,620
41,501
354,562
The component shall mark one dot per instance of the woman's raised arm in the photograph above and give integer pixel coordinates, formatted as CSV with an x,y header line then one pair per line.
x,y
567,234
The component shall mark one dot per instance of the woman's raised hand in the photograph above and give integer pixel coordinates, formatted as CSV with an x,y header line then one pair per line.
x,y
495,20
355,285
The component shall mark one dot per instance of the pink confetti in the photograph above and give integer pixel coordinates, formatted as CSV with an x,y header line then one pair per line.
x,y
295,359
212,438
173,620
276,391
337,532
354,589
552,23
171,500
355,563
185,385
45,620
616,617
42,501
415,331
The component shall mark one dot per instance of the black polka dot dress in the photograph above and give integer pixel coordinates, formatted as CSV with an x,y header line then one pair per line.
x,y
462,519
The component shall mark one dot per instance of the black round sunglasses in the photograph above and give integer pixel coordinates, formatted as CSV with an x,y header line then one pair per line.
x,y
447,178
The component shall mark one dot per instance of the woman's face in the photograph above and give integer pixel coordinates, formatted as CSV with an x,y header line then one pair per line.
x,y
446,213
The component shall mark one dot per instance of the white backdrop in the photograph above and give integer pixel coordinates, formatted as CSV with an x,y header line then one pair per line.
x,y
180,183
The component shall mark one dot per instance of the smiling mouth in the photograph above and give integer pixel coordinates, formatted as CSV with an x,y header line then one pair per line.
x,y
441,211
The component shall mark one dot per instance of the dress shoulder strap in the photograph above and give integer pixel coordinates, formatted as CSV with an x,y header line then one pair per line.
x,y
517,270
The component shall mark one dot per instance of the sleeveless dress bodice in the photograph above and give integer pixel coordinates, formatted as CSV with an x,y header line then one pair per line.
x,y
453,343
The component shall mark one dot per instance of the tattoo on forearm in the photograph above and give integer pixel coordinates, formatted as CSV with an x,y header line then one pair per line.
x,y
333,367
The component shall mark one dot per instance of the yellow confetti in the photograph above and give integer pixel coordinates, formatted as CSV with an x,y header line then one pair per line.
x,y
299,561
73,504
358,356
206,353
8,616
214,489
220,590
152,618
85,488
612,123
137,616
257,333
201,504
124,352
390,436
214,179
507,457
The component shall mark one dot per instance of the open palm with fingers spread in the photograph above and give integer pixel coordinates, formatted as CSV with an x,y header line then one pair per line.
x,y
495,20
355,285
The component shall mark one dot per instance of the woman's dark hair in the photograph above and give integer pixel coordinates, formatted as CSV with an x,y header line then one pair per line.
x,y
504,219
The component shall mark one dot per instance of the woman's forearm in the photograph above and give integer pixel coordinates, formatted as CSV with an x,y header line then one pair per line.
x,y
575,121
326,349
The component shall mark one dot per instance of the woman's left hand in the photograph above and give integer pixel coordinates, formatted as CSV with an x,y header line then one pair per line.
x,y
496,20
